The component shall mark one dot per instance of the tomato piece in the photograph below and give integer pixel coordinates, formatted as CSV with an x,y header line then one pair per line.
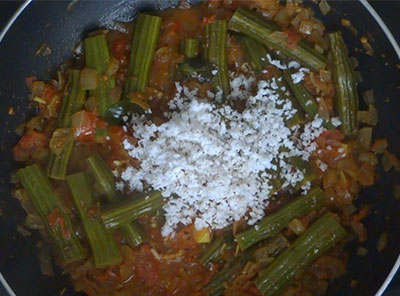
x,y
101,123
84,125
176,27
292,38
49,92
147,266
330,143
119,48
334,134
30,143
56,220
116,133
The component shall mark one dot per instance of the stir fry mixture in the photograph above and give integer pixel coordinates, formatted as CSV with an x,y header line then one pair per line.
x,y
207,150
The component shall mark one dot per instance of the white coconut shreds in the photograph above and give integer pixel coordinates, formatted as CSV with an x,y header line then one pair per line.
x,y
280,65
299,75
215,161
241,86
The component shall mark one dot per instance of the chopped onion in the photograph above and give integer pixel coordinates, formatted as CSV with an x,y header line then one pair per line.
x,y
302,14
379,146
113,67
325,76
367,46
37,88
389,161
39,100
282,18
296,226
239,226
349,209
369,117
323,110
277,244
279,37
11,110
296,21
360,230
366,175
368,157
329,179
261,255
78,119
323,87
346,23
364,138
324,7
362,252
60,137
44,50
53,106
382,242
349,166
34,222
167,256
89,79
115,94
368,97
306,27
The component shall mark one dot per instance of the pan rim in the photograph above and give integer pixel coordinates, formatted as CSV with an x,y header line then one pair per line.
x,y
367,6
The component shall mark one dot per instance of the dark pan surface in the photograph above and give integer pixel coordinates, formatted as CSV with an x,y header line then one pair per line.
x,y
49,21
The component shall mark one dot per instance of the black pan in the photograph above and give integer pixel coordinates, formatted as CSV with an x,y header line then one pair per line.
x,y
49,22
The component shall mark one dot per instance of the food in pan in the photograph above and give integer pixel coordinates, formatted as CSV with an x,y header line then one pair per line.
x,y
207,150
